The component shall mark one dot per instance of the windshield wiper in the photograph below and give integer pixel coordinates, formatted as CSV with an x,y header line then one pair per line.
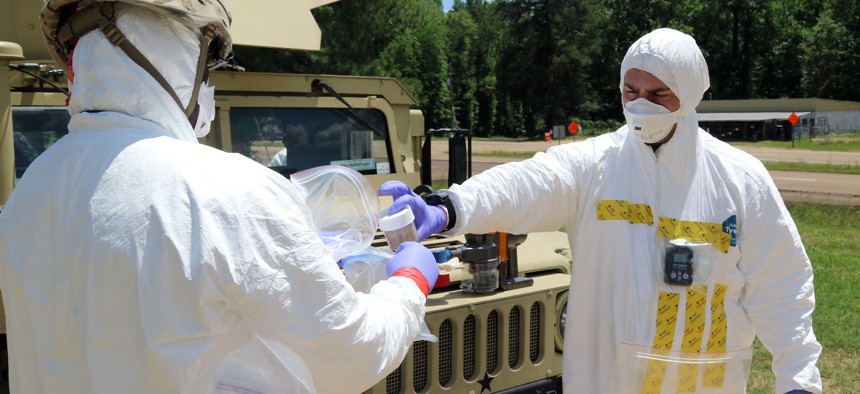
x,y
318,85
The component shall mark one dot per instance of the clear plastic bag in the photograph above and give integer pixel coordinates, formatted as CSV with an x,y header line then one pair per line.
x,y
344,207
643,369
261,366
345,210
364,270
367,269
243,362
687,263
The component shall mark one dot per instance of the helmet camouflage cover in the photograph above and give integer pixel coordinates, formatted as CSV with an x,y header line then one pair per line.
x,y
200,14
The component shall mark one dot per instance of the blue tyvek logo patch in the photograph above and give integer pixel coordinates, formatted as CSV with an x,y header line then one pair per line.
x,y
730,227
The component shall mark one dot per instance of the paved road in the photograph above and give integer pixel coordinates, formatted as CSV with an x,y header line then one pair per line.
x,y
794,186
806,156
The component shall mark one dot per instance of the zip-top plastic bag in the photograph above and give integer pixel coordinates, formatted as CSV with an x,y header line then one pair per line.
x,y
345,210
364,270
243,362
344,207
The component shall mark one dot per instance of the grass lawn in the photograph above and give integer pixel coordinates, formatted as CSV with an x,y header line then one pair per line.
x,y
499,153
832,142
812,167
770,165
831,235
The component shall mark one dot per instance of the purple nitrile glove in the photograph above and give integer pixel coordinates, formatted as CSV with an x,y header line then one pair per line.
x,y
429,219
798,392
412,257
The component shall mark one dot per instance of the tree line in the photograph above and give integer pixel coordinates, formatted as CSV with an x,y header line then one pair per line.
x,y
515,68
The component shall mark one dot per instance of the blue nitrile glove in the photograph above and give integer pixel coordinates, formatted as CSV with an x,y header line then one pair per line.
x,y
412,260
429,219
798,392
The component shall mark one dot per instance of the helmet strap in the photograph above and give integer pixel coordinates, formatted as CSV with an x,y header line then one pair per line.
x,y
102,16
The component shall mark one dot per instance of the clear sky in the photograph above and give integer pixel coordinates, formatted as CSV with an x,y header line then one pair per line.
x,y
447,4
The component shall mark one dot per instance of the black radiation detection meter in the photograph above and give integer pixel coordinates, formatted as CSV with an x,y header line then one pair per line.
x,y
678,265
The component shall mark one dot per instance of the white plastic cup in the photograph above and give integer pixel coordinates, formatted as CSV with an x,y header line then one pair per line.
x,y
399,227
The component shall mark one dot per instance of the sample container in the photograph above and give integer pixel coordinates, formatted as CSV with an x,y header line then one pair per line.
x,y
399,227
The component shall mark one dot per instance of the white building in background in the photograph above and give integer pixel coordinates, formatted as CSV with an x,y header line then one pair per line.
x,y
754,120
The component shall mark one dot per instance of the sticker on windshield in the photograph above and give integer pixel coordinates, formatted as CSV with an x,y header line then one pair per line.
x,y
357,164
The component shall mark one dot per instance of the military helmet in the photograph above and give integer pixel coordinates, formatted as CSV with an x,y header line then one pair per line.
x,y
62,23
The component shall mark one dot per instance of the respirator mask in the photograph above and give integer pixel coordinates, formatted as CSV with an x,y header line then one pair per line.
x,y
649,122
206,114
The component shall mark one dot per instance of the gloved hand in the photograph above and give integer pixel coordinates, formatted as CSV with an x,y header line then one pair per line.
x,y
429,219
798,392
412,260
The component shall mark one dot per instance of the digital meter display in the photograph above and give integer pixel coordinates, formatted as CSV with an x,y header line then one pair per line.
x,y
678,265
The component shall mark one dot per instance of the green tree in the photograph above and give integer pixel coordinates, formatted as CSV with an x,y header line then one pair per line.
x,y
505,67
491,34
435,96
476,34
404,39
620,23
830,58
402,57
546,64
462,39
780,70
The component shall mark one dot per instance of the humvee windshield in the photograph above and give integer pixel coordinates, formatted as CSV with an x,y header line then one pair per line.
x,y
36,128
288,140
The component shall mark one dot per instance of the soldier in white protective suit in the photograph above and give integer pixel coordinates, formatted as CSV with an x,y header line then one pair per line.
x,y
683,251
135,260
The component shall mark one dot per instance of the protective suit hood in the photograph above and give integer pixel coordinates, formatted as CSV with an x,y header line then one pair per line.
x,y
169,45
675,59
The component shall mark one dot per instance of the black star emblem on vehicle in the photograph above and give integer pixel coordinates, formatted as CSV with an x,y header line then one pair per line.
x,y
485,382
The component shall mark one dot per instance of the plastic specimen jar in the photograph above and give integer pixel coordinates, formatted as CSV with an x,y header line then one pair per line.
x,y
399,227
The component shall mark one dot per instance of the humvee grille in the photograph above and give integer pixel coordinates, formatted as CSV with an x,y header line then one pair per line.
x,y
507,344
492,341
514,337
469,348
445,352
419,357
393,382
534,332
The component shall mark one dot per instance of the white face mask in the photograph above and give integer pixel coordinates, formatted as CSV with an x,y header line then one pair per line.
x,y
206,113
648,121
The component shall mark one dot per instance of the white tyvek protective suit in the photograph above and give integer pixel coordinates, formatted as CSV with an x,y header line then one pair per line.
x,y
617,198
128,250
